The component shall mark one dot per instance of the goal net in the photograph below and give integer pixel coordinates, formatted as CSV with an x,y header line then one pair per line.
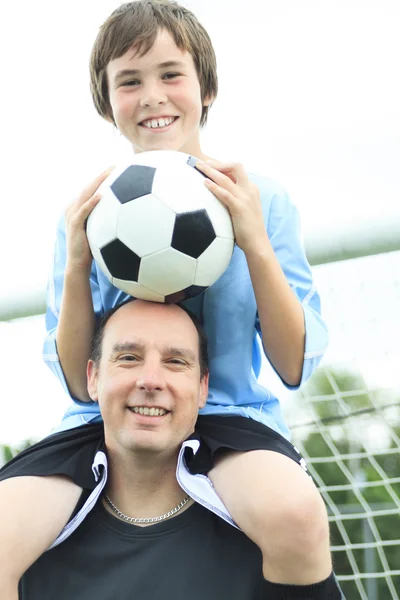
x,y
346,423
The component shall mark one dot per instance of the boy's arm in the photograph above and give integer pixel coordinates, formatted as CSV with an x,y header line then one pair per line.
x,y
75,316
280,312
75,331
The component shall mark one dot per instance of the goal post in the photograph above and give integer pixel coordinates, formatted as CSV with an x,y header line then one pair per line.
x,y
324,245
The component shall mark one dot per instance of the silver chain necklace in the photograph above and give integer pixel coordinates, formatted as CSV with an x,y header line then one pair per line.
x,y
149,519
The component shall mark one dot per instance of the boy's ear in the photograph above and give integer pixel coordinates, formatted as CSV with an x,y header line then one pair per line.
x,y
91,373
110,119
208,100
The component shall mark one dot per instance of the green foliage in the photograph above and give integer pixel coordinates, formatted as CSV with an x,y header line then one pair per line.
x,y
10,451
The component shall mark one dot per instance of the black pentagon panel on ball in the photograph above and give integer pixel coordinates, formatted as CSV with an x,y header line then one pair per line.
x,y
121,261
136,181
193,233
189,292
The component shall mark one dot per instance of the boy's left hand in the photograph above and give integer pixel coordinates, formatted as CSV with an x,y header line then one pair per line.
x,y
231,185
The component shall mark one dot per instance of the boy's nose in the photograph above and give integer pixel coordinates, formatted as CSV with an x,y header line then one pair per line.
x,y
152,96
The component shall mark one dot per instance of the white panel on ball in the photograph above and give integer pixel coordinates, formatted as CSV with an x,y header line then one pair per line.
x,y
137,291
102,225
133,225
220,217
189,193
208,269
167,271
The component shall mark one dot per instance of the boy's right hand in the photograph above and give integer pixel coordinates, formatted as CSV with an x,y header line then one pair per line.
x,y
76,214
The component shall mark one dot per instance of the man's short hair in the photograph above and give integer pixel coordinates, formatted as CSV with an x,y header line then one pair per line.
x,y
97,340
136,25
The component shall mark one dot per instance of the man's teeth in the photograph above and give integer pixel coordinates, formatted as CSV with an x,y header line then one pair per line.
x,y
152,412
155,123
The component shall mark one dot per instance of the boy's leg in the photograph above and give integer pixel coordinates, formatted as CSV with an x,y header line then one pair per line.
x,y
33,511
9,592
278,507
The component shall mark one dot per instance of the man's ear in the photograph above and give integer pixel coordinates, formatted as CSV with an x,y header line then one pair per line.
x,y
91,373
203,390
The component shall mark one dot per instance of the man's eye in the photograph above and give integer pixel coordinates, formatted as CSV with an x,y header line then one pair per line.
x,y
177,361
128,358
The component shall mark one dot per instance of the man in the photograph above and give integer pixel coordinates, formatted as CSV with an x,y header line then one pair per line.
x,y
146,538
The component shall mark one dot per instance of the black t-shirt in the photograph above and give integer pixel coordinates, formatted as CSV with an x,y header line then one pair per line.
x,y
193,556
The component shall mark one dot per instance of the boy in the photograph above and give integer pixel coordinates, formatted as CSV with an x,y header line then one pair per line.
x,y
153,75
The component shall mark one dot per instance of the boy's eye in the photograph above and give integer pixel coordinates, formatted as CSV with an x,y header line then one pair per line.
x,y
131,82
170,75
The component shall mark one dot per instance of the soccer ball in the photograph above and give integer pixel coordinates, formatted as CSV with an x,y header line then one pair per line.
x,y
158,233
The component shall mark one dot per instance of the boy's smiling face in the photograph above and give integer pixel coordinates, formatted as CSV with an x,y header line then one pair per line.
x,y
156,98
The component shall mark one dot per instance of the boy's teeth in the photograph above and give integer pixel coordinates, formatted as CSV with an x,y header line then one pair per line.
x,y
155,123
151,412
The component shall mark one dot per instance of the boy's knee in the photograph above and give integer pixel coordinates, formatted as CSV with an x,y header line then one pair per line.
x,y
300,524
34,511
8,586
15,558
298,550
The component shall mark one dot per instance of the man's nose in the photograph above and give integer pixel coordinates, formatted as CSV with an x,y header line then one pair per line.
x,y
151,380
152,95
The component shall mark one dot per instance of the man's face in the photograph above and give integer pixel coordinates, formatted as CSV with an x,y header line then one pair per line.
x,y
156,98
148,381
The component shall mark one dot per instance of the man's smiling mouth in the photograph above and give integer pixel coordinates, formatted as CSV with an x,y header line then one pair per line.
x,y
148,412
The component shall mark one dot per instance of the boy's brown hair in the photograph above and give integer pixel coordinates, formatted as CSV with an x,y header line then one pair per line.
x,y
136,24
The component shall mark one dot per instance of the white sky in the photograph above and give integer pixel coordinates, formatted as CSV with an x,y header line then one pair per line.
x,y
309,95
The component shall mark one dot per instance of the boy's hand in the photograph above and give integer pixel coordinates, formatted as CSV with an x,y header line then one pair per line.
x,y
231,185
76,214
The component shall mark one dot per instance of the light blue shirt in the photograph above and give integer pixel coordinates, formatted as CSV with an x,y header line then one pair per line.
x,y
228,312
